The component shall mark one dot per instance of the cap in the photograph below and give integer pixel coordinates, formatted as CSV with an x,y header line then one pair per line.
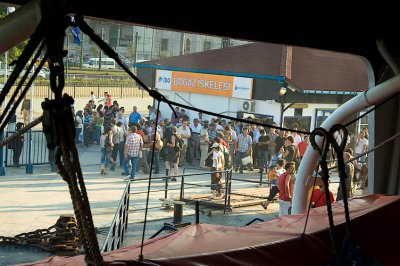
x,y
215,145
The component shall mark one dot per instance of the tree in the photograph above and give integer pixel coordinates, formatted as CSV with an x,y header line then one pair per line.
x,y
16,51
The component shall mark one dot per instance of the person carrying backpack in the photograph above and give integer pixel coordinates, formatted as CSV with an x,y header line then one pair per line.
x,y
174,145
17,145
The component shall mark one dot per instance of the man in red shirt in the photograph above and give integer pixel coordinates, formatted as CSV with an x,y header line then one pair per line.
x,y
303,146
318,198
285,186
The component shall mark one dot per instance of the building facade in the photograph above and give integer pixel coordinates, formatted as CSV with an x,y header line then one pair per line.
x,y
137,44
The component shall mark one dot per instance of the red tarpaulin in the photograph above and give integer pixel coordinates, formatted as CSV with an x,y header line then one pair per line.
x,y
374,227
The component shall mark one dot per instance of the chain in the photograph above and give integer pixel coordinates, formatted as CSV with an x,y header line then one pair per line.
x,y
61,238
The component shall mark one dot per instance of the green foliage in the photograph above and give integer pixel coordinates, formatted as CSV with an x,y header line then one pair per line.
x,y
16,51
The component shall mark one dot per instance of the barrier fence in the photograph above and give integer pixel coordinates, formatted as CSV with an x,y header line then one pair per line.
x,y
30,149
44,91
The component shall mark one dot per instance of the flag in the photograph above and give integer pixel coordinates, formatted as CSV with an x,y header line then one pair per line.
x,y
75,33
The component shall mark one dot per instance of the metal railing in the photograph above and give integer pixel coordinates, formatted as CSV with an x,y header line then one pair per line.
x,y
228,177
115,236
82,91
32,150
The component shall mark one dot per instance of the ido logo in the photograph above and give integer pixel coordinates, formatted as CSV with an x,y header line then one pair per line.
x,y
164,80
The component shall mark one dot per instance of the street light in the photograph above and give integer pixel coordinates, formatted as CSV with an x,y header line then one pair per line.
x,y
282,93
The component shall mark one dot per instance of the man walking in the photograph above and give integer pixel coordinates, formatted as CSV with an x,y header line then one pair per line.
x,y
26,109
133,144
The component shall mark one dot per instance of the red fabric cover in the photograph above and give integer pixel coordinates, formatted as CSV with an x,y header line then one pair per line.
x,y
374,227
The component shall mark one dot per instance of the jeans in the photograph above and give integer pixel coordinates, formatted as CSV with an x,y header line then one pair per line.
x,y
262,159
133,162
103,157
121,148
156,160
239,156
78,131
96,136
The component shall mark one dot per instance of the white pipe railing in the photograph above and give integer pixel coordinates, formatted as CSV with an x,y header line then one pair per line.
x,y
341,115
20,25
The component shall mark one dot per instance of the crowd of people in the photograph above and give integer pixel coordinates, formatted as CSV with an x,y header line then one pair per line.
x,y
214,144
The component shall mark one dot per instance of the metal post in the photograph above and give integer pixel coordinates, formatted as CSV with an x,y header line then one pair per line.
x,y
2,168
29,165
282,109
66,61
197,211
127,205
261,174
166,184
136,46
81,57
182,184
178,212
226,188
102,37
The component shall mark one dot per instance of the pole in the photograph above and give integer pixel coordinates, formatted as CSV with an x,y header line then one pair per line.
x,y
282,109
81,59
152,45
29,165
136,46
2,149
102,37
66,61
3,171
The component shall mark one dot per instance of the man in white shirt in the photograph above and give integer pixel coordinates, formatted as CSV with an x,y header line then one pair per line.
x,y
122,119
184,132
92,97
194,148
361,146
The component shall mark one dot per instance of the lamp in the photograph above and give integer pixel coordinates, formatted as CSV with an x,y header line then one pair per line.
x,y
282,91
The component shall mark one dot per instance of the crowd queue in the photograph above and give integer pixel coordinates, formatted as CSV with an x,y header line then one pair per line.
x,y
132,141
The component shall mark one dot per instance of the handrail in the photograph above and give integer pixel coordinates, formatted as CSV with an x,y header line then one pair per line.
x,y
119,225
180,175
166,226
254,220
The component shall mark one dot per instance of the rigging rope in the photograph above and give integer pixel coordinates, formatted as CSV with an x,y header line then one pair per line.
x,y
149,184
67,158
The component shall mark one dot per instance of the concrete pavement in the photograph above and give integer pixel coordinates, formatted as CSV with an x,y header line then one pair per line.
x,y
30,202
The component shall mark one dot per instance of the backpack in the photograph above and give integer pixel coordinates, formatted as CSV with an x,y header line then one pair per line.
x,y
107,144
178,143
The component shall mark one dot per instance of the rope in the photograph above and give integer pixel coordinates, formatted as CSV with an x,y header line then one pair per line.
x,y
149,184
67,161
312,193
323,151
24,91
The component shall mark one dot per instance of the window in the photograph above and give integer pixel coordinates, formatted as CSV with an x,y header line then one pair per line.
x,y
225,42
298,111
187,46
164,45
207,45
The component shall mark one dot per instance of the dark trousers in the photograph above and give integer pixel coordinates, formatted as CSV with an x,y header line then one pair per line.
x,y
16,154
216,180
272,192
